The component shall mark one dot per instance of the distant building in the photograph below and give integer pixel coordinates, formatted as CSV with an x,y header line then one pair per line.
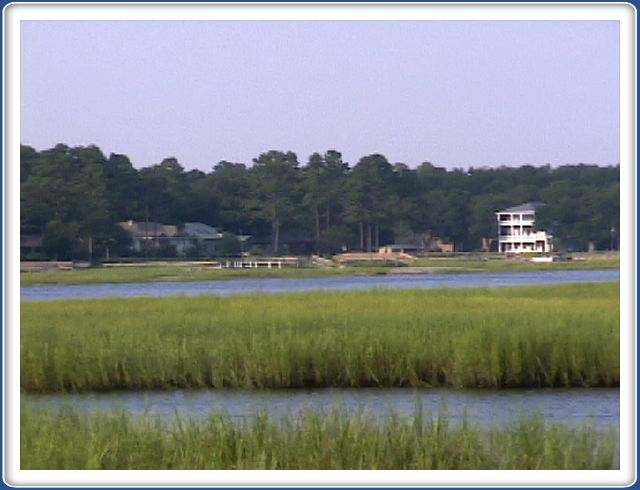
x,y
400,248
439,245
150,236
516,233
195,239
204,239
30,244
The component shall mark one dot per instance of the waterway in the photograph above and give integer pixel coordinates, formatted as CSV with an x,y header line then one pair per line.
x,y
342,283
598,407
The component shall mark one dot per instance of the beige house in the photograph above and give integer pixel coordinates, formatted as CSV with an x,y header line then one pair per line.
x,y
149,235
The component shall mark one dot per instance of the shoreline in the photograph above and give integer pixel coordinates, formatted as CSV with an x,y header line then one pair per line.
x,y
144,273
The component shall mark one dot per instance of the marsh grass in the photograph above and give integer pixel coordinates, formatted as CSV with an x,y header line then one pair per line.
x,y
495,338
336,440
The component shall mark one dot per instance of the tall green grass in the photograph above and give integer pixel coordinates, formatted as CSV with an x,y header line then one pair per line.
x,y
499,337
112,440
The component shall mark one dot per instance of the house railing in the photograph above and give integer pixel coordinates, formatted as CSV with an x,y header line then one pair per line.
x,y
539,235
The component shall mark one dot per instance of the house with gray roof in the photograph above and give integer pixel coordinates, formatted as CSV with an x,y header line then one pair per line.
x,y
149,236
192,239
204,239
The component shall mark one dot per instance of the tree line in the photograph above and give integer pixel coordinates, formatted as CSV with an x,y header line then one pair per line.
x,y
75,196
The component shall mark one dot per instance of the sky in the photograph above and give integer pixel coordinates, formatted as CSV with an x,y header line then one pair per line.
x,y
455,93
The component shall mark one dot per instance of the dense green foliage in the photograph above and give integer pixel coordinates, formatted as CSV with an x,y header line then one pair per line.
x,y
116,441
75,197
500,337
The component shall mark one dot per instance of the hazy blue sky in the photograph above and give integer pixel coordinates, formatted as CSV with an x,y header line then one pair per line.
x,y
460,94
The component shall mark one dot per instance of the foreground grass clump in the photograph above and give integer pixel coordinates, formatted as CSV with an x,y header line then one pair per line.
x,y
68,440
498,337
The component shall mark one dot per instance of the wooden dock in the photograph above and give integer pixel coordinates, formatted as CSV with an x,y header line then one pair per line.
x,y
261,262
375,257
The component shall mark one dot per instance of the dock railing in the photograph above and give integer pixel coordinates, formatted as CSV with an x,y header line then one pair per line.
x,y
257,262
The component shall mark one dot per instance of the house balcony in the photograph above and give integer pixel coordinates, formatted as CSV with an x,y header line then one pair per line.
x,y
517,222
532,236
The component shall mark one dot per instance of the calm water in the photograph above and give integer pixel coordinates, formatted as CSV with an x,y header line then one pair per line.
x,y
599,407
246,286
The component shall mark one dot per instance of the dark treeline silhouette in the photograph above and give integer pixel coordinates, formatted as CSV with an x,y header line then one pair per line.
x,y
75,197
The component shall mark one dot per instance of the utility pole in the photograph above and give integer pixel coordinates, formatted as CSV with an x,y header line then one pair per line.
x,y
613,231
146,229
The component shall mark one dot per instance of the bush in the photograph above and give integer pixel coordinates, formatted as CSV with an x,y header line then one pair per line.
x,y
230,245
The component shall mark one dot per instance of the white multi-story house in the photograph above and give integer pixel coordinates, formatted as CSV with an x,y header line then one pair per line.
x,y
516,233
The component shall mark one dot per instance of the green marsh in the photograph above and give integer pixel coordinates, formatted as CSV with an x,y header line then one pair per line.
x,y
66,439
491,338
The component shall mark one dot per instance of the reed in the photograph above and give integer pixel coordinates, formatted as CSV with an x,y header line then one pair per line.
x,y
114,440
496,338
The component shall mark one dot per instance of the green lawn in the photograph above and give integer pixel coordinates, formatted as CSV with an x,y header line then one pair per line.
x,y
497,265
176,273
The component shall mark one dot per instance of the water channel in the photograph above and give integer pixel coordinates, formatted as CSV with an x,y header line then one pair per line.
x,y
343,283
598,407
